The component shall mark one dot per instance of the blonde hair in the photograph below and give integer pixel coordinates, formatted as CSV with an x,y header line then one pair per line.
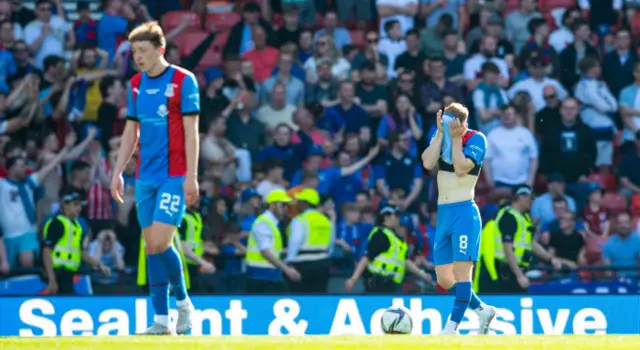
x,y
458,110
149,31
333,54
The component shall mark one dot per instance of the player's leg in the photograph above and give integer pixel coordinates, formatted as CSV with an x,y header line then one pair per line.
x,y
167,215
156,276
442,250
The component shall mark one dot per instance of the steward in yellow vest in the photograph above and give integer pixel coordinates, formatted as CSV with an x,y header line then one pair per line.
x,y
506,248
193,246
385,261
64,246
310,236
265,245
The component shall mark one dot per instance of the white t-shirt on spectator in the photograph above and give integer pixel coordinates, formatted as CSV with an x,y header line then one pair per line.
x,y
560,39
265,187
406,22
14,221
473,66
535,89
585,5
393,49
53,44
510,152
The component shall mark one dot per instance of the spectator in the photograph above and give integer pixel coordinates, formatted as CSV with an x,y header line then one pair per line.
x,y
562,37
240,40
331,28
432,39
401,10
412,58
575,52
351,236
7,66
494,29
406,84
212,99
356,119
433,91
10,29
536,82
538,45
512,153
403,120
243,130
392,46
344,189
543,205
325,89
90,65
629,108
371,96
560,209
111,113
309,133
453,59
294,87
618,65
602,15
597,217
113,24
623,248
326,48
433,10
106,249
284,150
273,179
568,148
524,109
264,58
598,105
24,64
372,54
473,65
48,34
218,153
85,28
488,98
398,169
20,14
629,176
290,31
516,23
278,111
567,244
305,45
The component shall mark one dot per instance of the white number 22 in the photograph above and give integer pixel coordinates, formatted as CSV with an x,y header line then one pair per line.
x,y
169,203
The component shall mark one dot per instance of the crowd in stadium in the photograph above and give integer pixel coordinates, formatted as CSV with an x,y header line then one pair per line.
x,y
340,96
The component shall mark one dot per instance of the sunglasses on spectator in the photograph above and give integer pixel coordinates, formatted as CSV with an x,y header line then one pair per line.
x,y
549,97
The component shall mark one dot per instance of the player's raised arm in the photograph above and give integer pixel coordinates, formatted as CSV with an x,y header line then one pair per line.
x,y
431,155
128,143
190,109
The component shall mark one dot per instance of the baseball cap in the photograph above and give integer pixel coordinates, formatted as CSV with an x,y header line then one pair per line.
x,y
388,210
524,191
211,74
68,195
308,195
277,196
248,193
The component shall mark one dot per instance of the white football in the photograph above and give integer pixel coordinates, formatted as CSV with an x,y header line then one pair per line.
x,y
396,321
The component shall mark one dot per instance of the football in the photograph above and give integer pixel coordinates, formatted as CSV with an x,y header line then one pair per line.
x,y
396,321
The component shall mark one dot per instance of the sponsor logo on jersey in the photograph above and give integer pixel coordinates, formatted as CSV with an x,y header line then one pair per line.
x,y
162,111
170,88
152,91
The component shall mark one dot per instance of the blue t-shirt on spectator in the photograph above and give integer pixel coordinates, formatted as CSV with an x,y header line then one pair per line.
x,y
296,72
388,125
355,118
7,69
398,172
325,178
344,189
330,121
110,27
247,40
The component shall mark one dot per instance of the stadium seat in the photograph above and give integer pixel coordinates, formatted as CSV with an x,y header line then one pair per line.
x,y
357,38
548,5
222,21
635,205
614,202
190,40
512,5
540,184
173,19
606,181
550,20
635,25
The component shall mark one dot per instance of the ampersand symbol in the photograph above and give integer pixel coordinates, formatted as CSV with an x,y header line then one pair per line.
x,y
286,311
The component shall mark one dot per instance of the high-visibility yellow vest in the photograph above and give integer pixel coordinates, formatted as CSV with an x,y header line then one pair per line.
x,y
194,234
317,236
253,257
392,262
142,262
67,253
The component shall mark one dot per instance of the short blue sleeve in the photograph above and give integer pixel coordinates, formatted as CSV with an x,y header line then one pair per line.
x,y
132,112
378,172
383,129
580,225
190,96
297,179
476,148
432,133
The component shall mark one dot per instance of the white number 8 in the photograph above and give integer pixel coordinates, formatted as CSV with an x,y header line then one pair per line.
x,y
169,203
463,242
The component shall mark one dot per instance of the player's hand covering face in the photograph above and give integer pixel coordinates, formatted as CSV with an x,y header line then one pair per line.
x,y
457,129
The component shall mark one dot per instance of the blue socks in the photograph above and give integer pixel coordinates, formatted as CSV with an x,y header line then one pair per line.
x,y
158,285
173,267
463,296
474,301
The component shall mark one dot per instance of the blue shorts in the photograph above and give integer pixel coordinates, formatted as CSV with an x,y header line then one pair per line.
x,y
458,231
27,242
161,201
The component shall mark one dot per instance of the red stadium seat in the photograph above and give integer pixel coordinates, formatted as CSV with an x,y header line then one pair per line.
x,y
606,181
222,21
548,5
512,5
357,38
190,40
173,19
635,205
635,25
614,202
550,20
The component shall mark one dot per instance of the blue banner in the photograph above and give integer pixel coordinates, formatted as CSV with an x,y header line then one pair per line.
x,y
318,315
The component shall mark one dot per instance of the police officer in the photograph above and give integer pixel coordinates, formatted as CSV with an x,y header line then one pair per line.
x,y
64,246
507,247
264,266
310,235
193,246
385,261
